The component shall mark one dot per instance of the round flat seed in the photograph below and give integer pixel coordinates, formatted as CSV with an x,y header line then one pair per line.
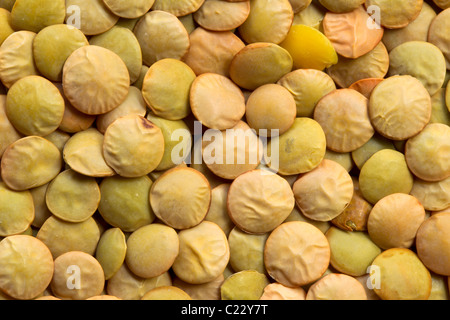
x,y
152,250
400,107
385,173
342,244
401,275
168,101
268,21
432,244
161,35
323,193
181,197
301,260
26,266
244,285
124,43
438,34
427,153
231,152
111,251
62,236
259,201
95,80
307,86
35,106
344,117
83,152
204,253
350,33
270,110
73,197
434,196
16,211
53,45
16,57
36,15
30,162
125,202
272,60
212,51
419,59
300,149
396,15
122,8
133,146
217,15
309,48
89,283
335,286
216,101
93,17
416,30
394,221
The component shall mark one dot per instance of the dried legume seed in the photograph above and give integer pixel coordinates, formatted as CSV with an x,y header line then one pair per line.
x,y
224,149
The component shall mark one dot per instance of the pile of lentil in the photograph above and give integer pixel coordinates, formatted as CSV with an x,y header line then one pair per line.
x,y
225,150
